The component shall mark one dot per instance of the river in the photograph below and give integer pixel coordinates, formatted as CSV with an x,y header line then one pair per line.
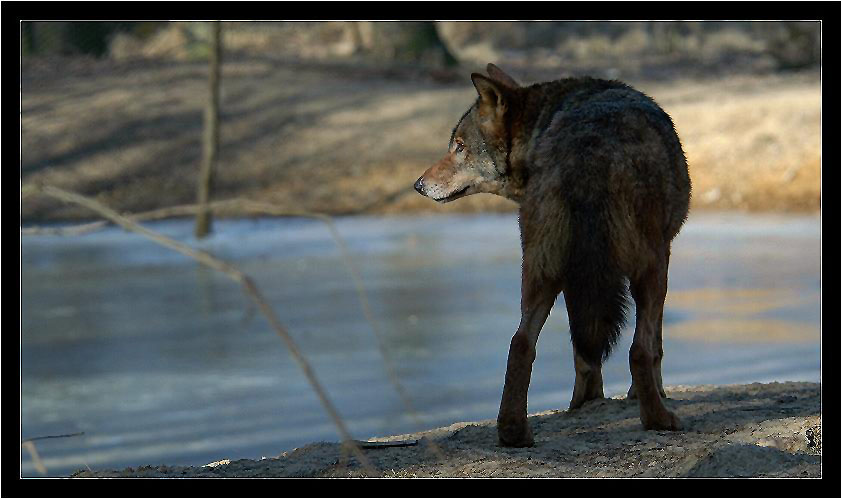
x,y
158,360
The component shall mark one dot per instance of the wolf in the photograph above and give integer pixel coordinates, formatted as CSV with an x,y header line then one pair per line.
x,y
601,180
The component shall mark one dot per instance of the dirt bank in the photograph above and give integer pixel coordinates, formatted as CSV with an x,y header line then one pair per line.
x,y
757,430
351,139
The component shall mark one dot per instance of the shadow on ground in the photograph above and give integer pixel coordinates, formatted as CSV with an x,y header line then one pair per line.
x,y
757,430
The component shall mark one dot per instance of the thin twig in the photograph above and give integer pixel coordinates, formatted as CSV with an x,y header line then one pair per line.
x,y
245,281
235,205
51,436
73,230
391,373
386,445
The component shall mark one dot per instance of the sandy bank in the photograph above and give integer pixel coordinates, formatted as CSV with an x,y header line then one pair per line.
x,y
756,430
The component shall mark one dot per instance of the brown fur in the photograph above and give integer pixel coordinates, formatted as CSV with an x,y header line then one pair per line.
x,y
603,188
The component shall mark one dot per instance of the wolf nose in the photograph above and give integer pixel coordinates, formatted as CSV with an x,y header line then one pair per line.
x,y
419,185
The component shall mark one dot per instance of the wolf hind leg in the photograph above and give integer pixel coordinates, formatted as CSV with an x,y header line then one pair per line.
x,y
649,292
588,384
596,305
658,347
658,350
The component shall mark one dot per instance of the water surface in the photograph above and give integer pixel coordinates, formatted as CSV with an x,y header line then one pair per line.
x,y
161,361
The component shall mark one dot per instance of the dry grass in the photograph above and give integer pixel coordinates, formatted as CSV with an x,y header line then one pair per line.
x,y
751,145
348,139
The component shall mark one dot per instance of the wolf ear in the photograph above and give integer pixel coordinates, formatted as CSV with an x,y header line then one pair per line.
x,y
497,74
494,96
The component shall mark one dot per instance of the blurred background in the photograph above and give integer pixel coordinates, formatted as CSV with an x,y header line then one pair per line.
x,y
338,117
156,359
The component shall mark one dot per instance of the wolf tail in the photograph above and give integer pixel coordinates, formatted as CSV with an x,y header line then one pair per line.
x,y
595,291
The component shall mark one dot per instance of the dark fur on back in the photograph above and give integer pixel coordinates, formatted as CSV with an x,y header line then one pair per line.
x,y
601,180
609,179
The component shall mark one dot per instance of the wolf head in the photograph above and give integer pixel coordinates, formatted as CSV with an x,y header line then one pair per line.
x,y
477,158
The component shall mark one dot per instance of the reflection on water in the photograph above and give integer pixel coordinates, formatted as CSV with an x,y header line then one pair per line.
x,y
744,315
161,361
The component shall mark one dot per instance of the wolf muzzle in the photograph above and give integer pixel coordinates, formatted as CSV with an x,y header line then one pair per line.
x,y
419,185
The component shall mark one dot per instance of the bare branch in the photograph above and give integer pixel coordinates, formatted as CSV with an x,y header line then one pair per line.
x,y
51,436
249,288
241,206
386,445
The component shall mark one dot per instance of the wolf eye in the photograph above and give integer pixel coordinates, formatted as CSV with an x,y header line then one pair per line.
x,y
459,146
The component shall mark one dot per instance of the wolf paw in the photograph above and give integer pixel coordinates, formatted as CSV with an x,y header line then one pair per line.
x,y
664,420
515,434
577,402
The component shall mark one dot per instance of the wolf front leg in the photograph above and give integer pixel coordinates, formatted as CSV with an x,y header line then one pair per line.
x,y
537,298
649,291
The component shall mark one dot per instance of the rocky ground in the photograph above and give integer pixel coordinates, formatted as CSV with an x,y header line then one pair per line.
x,y
757,430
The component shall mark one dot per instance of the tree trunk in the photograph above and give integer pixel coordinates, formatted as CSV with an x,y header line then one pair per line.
x,y
409,42
210,149
28,35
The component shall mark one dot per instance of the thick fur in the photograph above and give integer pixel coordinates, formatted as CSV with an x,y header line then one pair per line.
x,y
602,183
595,288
